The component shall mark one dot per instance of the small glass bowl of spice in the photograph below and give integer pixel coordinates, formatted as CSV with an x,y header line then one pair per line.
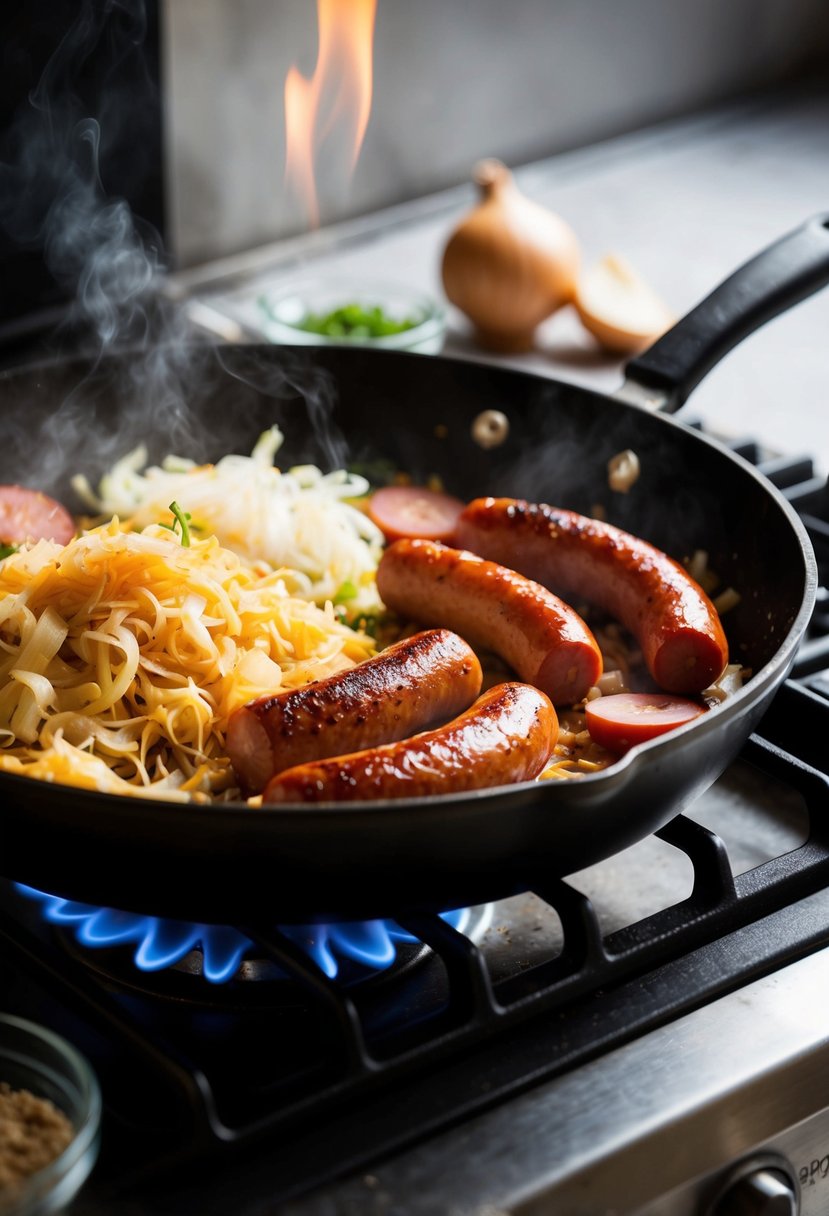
x,y
343,313
50,1113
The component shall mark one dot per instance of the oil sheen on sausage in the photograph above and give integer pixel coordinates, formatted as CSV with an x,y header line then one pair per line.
x,y
544,641
419,682
674,621
506,736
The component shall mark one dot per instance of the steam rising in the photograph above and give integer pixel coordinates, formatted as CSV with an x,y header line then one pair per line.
x,y
145,374
51,195
289,380
107,261
99,248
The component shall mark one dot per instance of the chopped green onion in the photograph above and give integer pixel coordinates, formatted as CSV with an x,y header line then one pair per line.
x,y
181,520
354,321
379,472
367,624
7,551
346,591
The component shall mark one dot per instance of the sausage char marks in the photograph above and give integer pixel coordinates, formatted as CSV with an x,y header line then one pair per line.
x,y
419,682
506,736
682,640
542,639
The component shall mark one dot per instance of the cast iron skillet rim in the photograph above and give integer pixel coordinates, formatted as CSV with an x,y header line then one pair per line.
x,y
540,792
635,758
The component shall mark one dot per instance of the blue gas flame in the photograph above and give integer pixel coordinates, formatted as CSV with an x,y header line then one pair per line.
x,y
160,942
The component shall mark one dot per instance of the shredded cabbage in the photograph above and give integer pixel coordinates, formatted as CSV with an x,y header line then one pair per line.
x,y
300,519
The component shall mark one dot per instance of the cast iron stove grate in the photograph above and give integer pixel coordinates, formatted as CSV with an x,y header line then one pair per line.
x,y
203,1075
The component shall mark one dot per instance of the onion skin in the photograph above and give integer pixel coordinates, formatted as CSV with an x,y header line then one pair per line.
x,y
510,263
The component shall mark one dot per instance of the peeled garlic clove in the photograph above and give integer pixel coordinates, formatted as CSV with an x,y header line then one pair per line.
x,y
619,308
510,263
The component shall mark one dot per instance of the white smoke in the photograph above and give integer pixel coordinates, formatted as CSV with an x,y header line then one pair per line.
x,y
96,249
108,263
52,199
146,377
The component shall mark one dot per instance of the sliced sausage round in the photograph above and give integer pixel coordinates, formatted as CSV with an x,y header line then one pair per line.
x,y
28,515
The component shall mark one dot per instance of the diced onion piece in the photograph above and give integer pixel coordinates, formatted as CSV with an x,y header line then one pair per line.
x,y
727,600
611,682
730,682
623,471
697,565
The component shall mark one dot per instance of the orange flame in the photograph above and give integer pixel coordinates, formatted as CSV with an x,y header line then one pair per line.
x,y
343,74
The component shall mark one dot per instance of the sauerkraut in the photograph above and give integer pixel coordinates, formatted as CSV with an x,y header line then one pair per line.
x,y
123,654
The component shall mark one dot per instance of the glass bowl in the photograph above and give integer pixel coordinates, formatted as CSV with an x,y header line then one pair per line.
x,y
34,1059
284,312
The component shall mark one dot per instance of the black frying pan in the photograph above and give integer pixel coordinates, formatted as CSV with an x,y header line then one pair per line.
x,y
231,863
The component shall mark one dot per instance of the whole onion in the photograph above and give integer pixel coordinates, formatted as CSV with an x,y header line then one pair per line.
x,y
510,263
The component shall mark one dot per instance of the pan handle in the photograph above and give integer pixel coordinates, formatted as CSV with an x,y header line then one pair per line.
x,y
781,276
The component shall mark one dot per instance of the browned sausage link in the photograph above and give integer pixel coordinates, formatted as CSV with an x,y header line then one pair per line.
x,y
506,736
416,683
676,624
544,641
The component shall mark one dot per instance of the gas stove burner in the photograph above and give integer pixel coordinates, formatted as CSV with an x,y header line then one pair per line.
x,y
351,951
259,984
354,952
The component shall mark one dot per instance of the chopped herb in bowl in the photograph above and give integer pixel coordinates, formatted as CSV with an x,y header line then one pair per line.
x,y
355,321
313,312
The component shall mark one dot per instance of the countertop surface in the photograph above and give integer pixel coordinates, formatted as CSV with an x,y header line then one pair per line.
x,y
684,202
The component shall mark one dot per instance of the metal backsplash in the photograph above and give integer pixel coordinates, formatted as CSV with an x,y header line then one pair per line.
x,y
453,81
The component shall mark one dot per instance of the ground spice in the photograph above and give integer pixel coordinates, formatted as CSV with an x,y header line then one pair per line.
x,y
32,1133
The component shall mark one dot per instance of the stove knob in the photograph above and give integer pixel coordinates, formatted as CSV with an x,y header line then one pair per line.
x,y
762,1192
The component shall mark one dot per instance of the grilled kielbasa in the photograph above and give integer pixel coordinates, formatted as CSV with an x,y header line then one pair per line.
x,y
544,641
676,624
506,736
419,682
